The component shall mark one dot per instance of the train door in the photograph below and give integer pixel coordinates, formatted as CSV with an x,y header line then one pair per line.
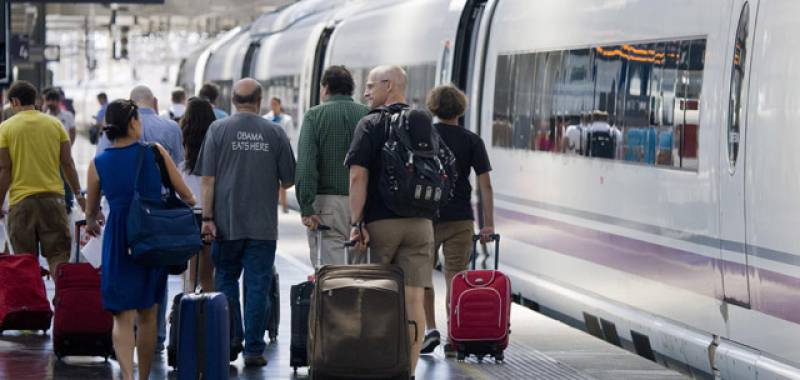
x,y
319,64
250,58
469,60
466,48
736,274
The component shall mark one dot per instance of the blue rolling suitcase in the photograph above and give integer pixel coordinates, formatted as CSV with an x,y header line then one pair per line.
x,y
203,337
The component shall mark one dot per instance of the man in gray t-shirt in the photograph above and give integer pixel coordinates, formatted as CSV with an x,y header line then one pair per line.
x,y
244,160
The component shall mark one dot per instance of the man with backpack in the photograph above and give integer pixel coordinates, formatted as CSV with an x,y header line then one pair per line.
x,y
178,106
391,210
602,139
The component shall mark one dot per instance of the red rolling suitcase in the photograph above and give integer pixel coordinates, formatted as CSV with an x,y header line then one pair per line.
x,y
480,309
23,298
81,327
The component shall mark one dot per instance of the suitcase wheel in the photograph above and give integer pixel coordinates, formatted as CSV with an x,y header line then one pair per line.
x,y
499,357
461,356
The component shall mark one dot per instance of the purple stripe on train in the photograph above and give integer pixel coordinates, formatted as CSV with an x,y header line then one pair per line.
x,y
771,293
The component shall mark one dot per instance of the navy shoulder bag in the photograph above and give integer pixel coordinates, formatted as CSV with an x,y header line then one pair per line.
x,y
164,231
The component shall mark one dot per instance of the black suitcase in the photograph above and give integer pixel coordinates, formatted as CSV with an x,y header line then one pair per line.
x,y
300,303
172,339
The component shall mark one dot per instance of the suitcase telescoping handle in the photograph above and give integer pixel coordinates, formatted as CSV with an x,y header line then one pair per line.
x,y
78,225
476,239
351,244
320,229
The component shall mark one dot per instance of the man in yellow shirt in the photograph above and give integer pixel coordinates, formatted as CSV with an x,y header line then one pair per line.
x,y
33,148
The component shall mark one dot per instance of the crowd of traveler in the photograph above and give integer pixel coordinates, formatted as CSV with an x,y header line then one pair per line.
x,y
236,169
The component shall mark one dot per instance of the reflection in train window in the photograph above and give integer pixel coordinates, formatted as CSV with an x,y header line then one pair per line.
x,y
287,89
632,102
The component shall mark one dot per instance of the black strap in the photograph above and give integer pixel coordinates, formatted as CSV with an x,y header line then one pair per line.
x,y
78,225
200,333
162,168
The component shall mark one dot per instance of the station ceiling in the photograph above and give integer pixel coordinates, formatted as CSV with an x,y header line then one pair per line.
x,y
175,15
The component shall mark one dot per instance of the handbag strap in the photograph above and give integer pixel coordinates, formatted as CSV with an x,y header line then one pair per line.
x,y
162,168
139,164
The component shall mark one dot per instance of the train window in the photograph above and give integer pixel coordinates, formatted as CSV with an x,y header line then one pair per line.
x,y
421,79
287,89
643,97
503,103
735,105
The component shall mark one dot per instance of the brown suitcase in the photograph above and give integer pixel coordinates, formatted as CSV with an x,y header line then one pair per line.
x,y
358,328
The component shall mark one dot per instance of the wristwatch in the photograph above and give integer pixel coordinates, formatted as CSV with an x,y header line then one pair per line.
x,y
208,219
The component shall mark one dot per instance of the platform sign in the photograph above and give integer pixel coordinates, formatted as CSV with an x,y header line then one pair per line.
x,y
5,41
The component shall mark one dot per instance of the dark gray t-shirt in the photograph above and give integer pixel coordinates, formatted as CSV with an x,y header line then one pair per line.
x,y
249,157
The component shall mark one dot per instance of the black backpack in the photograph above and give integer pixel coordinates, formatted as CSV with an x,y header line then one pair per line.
x,y
419,170
602,144
174,118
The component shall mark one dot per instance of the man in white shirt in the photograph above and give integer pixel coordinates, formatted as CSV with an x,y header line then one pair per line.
x,y
574,141
277,116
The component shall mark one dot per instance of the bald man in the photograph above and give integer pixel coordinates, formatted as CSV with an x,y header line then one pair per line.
x,y
154,128
406,242
244,160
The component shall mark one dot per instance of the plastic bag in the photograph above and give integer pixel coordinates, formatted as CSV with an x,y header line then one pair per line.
x,y
92,251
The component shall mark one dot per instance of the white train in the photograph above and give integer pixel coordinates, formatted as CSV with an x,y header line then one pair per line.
x,y
684,247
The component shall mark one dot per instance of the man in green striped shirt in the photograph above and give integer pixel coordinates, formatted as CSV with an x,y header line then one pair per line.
x,y
321,180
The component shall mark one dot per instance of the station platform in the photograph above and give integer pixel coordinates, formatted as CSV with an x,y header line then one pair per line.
x,y
541,348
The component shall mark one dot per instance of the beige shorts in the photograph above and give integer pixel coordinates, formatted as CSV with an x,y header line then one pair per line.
x,y
41,219
455,239
407,243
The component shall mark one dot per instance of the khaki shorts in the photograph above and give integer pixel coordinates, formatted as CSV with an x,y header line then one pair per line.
x,y
455,239
40,220
407,243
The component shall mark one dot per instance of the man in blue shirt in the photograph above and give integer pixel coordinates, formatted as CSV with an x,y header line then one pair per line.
x,y
154,128
210,92
99,119
167,133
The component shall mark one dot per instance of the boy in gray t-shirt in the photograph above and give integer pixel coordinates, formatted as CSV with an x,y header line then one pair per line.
x,y
243,161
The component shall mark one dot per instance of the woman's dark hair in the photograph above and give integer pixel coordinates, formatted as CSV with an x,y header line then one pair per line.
x,y
194,124
119,114
338,80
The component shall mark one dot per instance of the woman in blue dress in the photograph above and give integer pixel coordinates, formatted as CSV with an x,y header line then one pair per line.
x,y
129,290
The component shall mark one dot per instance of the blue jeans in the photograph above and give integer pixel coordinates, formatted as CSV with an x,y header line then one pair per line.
x,y
256,258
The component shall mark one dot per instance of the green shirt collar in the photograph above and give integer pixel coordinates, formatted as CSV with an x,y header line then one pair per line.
x,y
339,98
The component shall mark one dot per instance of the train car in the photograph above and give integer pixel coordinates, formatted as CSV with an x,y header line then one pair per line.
x,y
186,71
680,247
688,259
224,66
